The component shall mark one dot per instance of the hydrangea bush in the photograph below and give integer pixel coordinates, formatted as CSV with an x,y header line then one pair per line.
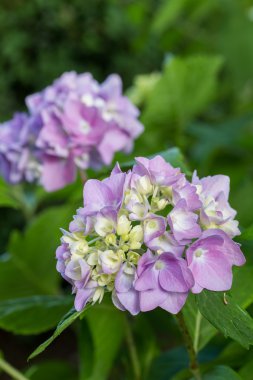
x,y
150,236
73,124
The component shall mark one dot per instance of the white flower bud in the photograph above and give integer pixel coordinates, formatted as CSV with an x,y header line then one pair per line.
x,y
110,261
133,196
77,244
133,257
138,211
144,186
123,225
79,248
104,279
158,204
136,237
104,226
199,189
98,295
167,191
129,269
111,239
92,258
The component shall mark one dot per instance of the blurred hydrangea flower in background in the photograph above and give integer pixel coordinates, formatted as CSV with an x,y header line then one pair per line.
x,y
150,236
20,159
75,123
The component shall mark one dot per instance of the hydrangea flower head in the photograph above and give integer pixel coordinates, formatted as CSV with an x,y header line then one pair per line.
x,y
83,125
144,236
19,157
73,124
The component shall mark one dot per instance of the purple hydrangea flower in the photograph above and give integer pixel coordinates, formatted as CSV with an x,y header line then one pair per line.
x,y
163,281
125,296
183,223
19,158
216,211
140,235
73,124
83,125
211,258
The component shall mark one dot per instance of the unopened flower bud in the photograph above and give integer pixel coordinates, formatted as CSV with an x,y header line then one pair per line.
x,y
92,259
104,225
143,185
123,225
79,248
110,261
158,204
133,257
110,239
136,237
104,279
167,191
98,295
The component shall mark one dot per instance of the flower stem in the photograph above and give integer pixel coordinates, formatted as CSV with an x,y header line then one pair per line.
x,y
132,351
194,365
13,372
197,331
83,176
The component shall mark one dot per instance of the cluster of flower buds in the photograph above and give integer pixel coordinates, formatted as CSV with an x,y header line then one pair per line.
x,y
73,124
150,236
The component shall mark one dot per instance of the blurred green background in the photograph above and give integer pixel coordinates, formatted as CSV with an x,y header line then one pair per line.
x,y
203,101
188,66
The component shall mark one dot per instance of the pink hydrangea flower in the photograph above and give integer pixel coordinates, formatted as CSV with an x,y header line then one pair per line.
x,y
211,258
140,235
83,125
19,158
73,124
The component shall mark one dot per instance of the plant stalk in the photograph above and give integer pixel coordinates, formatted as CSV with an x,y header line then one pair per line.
x,y
11,371
197,331
194,365
83,176
132,351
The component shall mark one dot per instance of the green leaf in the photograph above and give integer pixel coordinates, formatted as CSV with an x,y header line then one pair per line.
x,y
7,198
147,344
233,355
65,322
173,156
242,289
69,192
242,293
210,139
200,329
227,317
221,373
247,234
167,14
33,315
29,268
13,282
51,370
142,87
168,364
246,370
106,325
172,103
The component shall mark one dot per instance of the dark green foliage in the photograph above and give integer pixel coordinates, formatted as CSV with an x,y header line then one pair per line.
x,y
188,65
40,39
33,315
222,312
64,323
